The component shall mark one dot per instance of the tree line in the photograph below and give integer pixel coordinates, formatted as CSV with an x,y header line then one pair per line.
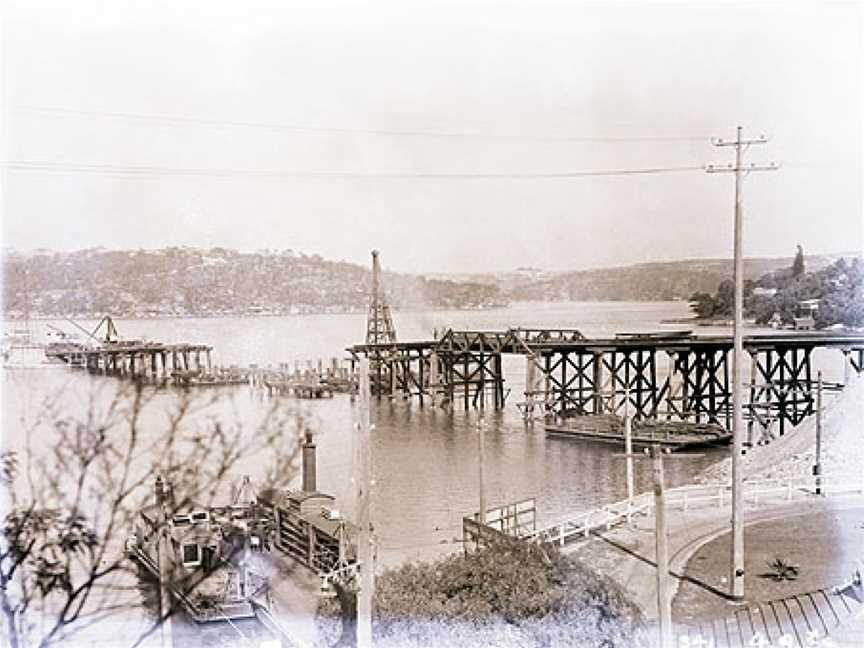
x,y
776,295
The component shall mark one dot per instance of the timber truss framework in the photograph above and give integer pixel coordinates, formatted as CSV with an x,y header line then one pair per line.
x,y
672,375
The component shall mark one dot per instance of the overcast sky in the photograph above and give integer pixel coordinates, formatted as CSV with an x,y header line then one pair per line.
x,y
149,124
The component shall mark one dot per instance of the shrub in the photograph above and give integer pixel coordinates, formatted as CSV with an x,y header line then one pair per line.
x,y
509,594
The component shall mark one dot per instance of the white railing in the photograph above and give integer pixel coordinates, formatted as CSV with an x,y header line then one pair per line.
x,y
693,496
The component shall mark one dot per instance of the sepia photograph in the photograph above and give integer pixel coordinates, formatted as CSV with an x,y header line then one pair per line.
x,y
431,323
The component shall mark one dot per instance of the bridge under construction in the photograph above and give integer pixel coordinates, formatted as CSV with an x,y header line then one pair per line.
x,y
672,375
665,375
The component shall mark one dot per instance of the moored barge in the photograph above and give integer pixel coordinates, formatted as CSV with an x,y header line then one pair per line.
x,y
202,555
608,428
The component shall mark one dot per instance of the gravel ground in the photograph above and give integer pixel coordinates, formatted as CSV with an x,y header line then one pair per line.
x,y
793,454
826,546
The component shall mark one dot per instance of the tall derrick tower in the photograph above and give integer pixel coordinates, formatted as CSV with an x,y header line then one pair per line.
x,y
379,324
379,330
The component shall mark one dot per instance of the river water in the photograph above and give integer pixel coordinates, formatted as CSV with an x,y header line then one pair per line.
x,y
425,460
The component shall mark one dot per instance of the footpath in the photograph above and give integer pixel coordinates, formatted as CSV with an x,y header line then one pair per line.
x,y
778,486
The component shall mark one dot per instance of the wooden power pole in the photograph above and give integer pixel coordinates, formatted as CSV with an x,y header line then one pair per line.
x,y
363,512
661,541
628,451
817,466
740,170
661,538
481,451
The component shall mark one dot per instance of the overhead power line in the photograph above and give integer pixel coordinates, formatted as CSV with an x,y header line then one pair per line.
x,y
149,171
197,121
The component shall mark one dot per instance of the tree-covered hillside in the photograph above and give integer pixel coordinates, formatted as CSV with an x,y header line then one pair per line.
x,y
666,280
218,281
775,296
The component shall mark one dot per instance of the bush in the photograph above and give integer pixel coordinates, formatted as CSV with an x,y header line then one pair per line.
x,y
510,594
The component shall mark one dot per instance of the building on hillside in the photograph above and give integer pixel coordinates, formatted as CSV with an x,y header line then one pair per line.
x,y
759,291
806,313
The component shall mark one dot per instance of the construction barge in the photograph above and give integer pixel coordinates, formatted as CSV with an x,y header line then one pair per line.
x,y
217,561
607,428
199,554
307,525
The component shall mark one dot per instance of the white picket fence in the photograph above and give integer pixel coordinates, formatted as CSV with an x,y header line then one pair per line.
x,y
683,498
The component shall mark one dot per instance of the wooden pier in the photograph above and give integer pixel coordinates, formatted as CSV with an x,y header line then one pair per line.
x,y
152,361
191,366
317,380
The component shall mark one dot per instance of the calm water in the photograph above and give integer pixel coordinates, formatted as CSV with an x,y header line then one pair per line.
x,y
425,460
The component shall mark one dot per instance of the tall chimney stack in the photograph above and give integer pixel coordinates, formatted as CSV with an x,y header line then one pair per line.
x,y
160,491
309,464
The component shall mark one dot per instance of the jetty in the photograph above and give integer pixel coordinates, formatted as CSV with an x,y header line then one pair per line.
x,y
190,365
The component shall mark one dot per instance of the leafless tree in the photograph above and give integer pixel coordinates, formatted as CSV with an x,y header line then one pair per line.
x,y
72,489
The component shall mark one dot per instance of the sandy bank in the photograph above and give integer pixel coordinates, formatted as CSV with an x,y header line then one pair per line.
x,y
793,454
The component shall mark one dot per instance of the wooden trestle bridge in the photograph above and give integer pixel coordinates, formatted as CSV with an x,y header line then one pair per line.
x,y
672,375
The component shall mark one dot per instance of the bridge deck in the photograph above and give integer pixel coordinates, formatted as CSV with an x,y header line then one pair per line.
x,y
515,341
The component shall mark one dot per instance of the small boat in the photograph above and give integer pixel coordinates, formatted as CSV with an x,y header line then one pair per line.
x,y
608,428
204,554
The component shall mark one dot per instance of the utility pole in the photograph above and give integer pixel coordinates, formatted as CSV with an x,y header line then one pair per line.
x,y
363,512
164,565
817,467
741,145
661,538
481,453
628,450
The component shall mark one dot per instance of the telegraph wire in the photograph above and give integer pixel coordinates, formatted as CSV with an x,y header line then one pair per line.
x,y
166,119
154,171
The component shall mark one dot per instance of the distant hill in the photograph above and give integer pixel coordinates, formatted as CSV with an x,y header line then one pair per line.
x,y
217,281
666,280
182,281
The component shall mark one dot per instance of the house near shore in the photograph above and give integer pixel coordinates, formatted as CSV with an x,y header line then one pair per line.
x,y
759,291
806,313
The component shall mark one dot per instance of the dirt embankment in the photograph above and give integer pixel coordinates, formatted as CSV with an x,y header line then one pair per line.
x,y
793,454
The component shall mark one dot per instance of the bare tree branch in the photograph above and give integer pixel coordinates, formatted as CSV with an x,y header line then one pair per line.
x,y
72,505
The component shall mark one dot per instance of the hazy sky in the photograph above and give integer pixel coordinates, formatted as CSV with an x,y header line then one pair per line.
x,y
148,124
